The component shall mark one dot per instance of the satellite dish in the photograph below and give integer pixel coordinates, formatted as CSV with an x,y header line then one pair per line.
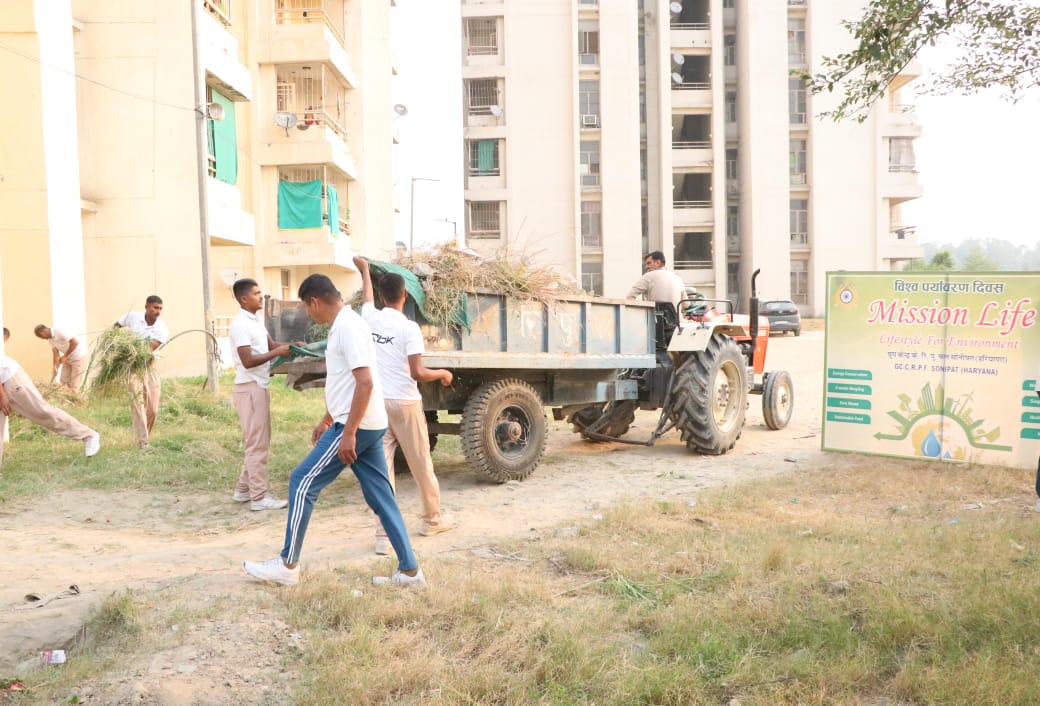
x,y
675,8
285,120
496,111
678,59
676,78
401,109
214,111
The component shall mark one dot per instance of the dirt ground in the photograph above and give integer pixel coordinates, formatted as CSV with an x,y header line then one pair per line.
x,y
182,555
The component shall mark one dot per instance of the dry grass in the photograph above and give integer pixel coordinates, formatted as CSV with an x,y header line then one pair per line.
x,y
835,586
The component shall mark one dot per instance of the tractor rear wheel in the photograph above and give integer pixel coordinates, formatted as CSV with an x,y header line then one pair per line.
x,y
504,430
777,399
621,414
709,397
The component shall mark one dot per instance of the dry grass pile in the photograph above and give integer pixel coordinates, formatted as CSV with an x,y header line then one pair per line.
x,y
447,273
57,394
119,355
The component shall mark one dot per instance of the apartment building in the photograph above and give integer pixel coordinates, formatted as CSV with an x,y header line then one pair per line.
x,y
597,130
294,108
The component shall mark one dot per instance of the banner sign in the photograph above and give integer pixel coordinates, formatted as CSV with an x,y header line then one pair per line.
x,y
938,365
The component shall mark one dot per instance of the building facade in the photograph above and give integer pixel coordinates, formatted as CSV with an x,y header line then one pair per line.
x,y
598,130
294,113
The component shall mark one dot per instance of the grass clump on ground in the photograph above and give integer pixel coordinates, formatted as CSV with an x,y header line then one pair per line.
x,y
825,587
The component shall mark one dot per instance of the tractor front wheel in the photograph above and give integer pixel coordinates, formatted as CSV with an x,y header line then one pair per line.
x,y
777,399
709,397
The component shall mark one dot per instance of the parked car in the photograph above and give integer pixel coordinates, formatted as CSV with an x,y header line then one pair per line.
x,y
783,316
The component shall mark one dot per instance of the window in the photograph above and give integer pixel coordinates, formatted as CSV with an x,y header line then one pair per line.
x,y
692,251
731,106
591,224
589,164
733,280
588,42
901,155
800,282
796,41
588,103
729,50
732,221
731,163
798,161
592,277
483,95
728,4
484,220
481,36
285,285
799,221
222,141
797,101
483,158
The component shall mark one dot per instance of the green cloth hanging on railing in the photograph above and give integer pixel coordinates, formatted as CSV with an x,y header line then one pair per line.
x,y
299,204
333,199
225,141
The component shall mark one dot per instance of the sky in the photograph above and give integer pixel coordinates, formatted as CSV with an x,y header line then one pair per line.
x,y
979,156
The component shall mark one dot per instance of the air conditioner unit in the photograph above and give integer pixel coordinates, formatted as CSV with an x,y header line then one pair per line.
x,y
589,120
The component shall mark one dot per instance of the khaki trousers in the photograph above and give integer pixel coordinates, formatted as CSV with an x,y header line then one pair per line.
x,y
27,401
407,429
71,375
253,404
144,403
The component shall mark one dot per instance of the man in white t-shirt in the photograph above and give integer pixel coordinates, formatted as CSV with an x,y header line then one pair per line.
x,y
658,283
68,353
252,351
351,433
19,394
399,351
145,389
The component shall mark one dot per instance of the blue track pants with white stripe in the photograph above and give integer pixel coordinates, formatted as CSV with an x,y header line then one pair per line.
x,y
321,467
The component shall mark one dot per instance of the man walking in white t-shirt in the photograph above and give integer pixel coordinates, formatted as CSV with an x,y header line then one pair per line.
x,y
66,352
252,350
351,433
145,389
399,351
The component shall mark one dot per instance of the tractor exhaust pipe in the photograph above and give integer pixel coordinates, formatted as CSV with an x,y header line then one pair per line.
x,y
753,311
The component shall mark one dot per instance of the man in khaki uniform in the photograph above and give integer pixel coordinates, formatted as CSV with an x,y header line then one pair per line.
x,y
145,389
67,352
19,394
658,284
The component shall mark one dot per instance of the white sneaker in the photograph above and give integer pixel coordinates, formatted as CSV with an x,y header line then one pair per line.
x,y
400,579
273,570
268,502
239,497
92,444
382,546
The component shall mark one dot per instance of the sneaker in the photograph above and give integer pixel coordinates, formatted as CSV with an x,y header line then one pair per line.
x,y
268,502
400,579
382,546
273,570
92,444
447,522
240,497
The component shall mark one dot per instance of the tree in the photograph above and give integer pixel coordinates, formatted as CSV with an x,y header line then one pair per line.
x,y
997,45
978,261
942,261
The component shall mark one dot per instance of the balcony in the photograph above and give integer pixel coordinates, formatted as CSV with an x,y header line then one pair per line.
x,y
691,156
695,214
307,249
219,51
900,121
691,96
800,241
799,180
906,75
307,237
901,183
690,35
228,223
310,31
219,9
901,244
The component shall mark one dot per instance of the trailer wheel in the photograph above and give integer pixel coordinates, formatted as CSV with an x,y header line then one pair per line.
x,y
621,415
777,399
709,397
400,462
504,430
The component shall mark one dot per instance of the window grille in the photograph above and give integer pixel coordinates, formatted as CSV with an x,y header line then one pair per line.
x,y
484,219
591,224
483,158
590,166
483,94
482,36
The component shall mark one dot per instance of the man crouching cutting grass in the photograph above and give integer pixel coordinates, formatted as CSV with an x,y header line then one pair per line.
x,y
351,434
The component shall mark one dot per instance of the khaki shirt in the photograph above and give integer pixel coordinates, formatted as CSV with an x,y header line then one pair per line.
x,y
659,286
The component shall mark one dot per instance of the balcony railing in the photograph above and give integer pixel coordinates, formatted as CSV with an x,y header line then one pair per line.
x,y
798,179
221,9
693,264
691,86
313,95
691,204
903,168
693,145
702,26
326,177
307,11
800,239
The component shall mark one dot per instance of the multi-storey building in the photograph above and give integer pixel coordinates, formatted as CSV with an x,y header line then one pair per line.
x,y
597,130
101,188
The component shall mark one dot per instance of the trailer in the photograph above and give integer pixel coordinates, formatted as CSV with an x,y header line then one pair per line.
x,y
592,361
